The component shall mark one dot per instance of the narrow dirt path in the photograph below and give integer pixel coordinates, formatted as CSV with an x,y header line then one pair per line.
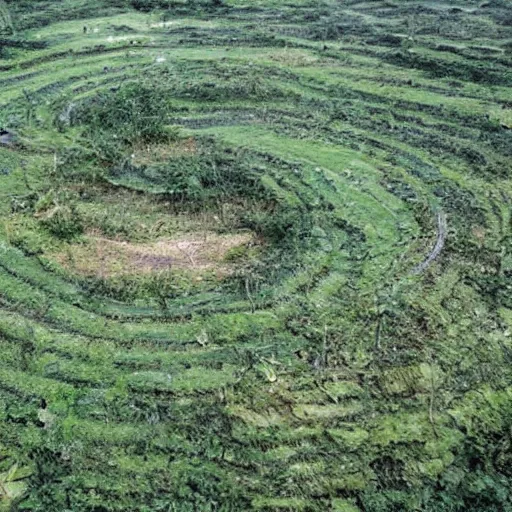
x,y
441,238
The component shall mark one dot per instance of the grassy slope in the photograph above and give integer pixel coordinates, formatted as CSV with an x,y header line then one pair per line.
x,y
356,385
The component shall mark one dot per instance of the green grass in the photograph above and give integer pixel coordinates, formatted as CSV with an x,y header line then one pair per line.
x,y
320,373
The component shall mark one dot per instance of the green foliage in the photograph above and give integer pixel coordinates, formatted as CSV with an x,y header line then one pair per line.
x,y
148,5
311,368
215,174
6,24
133,115
62,221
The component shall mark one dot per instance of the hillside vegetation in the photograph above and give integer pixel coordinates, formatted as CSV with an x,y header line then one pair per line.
x,y
255,255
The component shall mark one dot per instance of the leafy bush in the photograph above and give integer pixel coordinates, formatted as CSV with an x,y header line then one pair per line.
x,y
135,113
62,221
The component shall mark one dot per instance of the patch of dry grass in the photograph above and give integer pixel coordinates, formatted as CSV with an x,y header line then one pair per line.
x,y
157,153
294,58
196,252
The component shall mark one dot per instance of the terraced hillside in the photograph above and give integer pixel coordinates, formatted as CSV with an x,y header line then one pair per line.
x,y
255,255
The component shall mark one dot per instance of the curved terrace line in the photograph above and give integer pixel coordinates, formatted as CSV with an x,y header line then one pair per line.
x,y
436,251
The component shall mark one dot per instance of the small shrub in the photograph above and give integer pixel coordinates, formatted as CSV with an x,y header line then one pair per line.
x,y
134,114
63,222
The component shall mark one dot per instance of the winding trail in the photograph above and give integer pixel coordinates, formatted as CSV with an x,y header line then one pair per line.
x,y
441,238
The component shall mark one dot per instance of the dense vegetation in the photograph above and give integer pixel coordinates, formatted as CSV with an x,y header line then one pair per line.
x,y
350,349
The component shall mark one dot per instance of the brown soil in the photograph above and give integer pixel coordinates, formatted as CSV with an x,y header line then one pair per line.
x,y
196,252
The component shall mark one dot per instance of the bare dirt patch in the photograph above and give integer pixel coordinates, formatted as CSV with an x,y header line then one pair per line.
x,y
196,252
